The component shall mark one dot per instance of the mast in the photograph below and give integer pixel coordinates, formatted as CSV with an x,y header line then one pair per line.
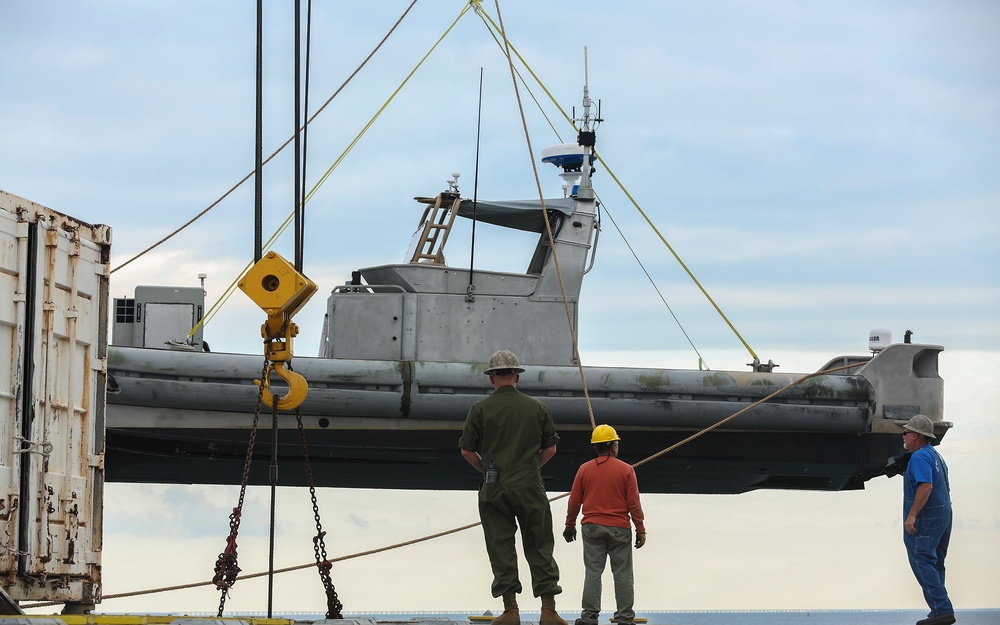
x,y
587,136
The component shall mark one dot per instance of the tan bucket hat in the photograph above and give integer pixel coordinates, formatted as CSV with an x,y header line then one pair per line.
x,y
921,424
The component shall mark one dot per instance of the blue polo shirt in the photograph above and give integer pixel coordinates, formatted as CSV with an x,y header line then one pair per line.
x,y
926,466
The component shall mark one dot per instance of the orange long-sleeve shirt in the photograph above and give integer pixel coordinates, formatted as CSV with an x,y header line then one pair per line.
x,y
607,491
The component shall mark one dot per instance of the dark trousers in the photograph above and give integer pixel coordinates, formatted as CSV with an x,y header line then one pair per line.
x,y
502,507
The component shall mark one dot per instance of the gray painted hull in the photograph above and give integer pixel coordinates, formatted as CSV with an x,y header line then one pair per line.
x,y
186,416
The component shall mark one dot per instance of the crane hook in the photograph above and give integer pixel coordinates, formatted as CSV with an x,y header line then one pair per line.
x,y
298,388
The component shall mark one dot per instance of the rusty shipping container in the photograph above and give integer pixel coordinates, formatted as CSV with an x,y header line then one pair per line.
x,y
53,323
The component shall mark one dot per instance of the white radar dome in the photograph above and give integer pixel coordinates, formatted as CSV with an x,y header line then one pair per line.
x,y
879,339
565,155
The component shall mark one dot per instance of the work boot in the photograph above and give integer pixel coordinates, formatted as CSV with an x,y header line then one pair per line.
x,y
511,615
549,616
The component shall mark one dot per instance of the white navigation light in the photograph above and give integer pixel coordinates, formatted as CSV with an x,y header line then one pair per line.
x,y
879,339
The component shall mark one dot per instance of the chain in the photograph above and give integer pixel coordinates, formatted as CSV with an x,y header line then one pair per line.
x,y
226,566
323,564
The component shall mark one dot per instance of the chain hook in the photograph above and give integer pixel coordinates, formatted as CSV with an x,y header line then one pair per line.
x,y
298,387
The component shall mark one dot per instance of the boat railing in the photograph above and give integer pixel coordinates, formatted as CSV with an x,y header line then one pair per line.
x,y
368,288
843,361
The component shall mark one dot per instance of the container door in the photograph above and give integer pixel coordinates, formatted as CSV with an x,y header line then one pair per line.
x,y
55,326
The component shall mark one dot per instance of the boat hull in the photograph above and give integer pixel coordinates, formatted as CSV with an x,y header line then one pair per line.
x,y
185,417
730,462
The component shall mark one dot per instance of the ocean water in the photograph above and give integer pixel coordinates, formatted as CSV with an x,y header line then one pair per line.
x,y
733,617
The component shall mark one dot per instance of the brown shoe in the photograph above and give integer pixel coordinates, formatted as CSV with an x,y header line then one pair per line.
x,y
549,616
511,615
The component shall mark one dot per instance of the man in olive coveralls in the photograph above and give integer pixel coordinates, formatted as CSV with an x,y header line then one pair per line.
x,y
507,437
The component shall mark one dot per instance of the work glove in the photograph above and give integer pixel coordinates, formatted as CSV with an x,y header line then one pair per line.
x,y
569,533
640,539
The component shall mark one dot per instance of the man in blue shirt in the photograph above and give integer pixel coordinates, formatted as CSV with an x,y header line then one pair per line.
x,y
927,514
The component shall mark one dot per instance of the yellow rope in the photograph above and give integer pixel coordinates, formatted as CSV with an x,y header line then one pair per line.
x,y
485,18
322,179
491,24
288,220
701,359
672,251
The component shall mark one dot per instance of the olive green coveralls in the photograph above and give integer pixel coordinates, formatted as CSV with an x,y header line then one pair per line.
x,y
510,428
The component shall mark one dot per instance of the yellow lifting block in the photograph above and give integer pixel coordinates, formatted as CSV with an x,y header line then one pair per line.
x,y
280,291
274,285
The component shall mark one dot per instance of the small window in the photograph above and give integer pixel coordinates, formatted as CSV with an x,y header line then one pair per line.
x,y
124,310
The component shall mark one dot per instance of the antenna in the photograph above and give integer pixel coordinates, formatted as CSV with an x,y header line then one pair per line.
x,y
587,137
585,122
471,289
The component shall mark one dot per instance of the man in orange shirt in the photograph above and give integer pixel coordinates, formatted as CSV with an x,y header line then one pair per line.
x,y
607,491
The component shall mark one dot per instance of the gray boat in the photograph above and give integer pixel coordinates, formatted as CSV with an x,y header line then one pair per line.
x,y
401,362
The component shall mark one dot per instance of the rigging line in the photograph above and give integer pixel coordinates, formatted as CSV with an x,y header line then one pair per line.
x,y
284,225
676,256
475,186
288,569
273,480
470,525
545,218
305,135
738,413
275,153
258,149
701,360
297,113
385,105
484,17
492,25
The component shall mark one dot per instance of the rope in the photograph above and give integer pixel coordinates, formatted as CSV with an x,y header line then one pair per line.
x,y
461,13
289,569
492,25
701,360
676,256
514,77
456,530
548,226
275,153
492,29
740,412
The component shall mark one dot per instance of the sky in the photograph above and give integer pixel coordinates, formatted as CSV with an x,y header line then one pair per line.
x,y
823,169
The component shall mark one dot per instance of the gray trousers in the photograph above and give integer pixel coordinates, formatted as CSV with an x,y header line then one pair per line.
x,y
601,542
